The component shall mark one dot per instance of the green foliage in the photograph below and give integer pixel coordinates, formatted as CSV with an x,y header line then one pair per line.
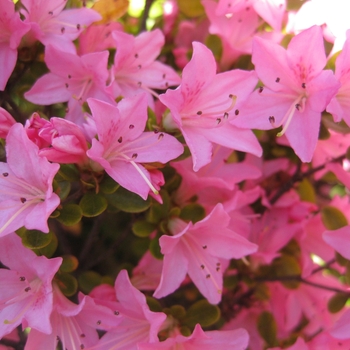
x,y
267,328
127,201
192,212
88,280
35,239
333,218
284,267
108,185
201,312
69,263
67,283
143,228
70,214
93,204
192,8
337,302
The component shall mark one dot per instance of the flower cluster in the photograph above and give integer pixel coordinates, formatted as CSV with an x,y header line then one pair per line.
x,y
174,179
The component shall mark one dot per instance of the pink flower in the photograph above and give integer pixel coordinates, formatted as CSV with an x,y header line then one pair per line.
x,y
122,146
135,67
205,103
25,289
138,325
50,24
73,325
198,340
73,79
27,197
297,90
339,240
197,249
12,30
6,121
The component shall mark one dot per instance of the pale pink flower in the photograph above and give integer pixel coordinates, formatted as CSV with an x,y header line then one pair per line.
x,y
12,30
26,288
123,146
27,197
51,24
198,249
203,106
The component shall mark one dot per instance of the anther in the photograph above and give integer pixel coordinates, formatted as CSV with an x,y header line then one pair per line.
x,y
131,126
5,174
69,76
27,289
63,30
272,119
303,85
66,85
22,278
82,335
134,156
160,136
297,106
82,346
78,26
136,55
50,13
164,75
261,89
236,112
98,322
204,247
202,267
199,113
230,96
218,121
156,131
225,115
116,313
139,66
207,276
277,80
120,139
23,200
139,84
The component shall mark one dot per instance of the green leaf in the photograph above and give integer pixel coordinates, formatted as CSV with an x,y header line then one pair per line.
x,y
93,204
35,239
89,280
333,218
69,263
50,249
108,185
154,248
143,228
70,214
267,328
63,189
192,8
178,311
127,201
192,212
68,172
337,302
201,312
306,191
285,266
67,284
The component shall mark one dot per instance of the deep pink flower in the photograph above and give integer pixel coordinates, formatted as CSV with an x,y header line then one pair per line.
x,y
26,288
27,197
6,121
205,103
197,249
123,146
297,90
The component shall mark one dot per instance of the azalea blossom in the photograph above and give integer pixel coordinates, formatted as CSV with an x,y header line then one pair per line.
x,y
205,103
199,249
297,90
12,30
26,288
27,198
51,24
123,147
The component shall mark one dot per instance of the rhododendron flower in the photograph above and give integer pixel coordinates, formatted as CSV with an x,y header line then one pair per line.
x,y
6,121
138,325
297,90
205,103
25,289
50,24
73,325
339,240
197,249
123,146
12,30
27,197
73,79
135,69
198,340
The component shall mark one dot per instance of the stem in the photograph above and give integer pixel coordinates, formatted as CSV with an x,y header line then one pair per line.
x,y
145,15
